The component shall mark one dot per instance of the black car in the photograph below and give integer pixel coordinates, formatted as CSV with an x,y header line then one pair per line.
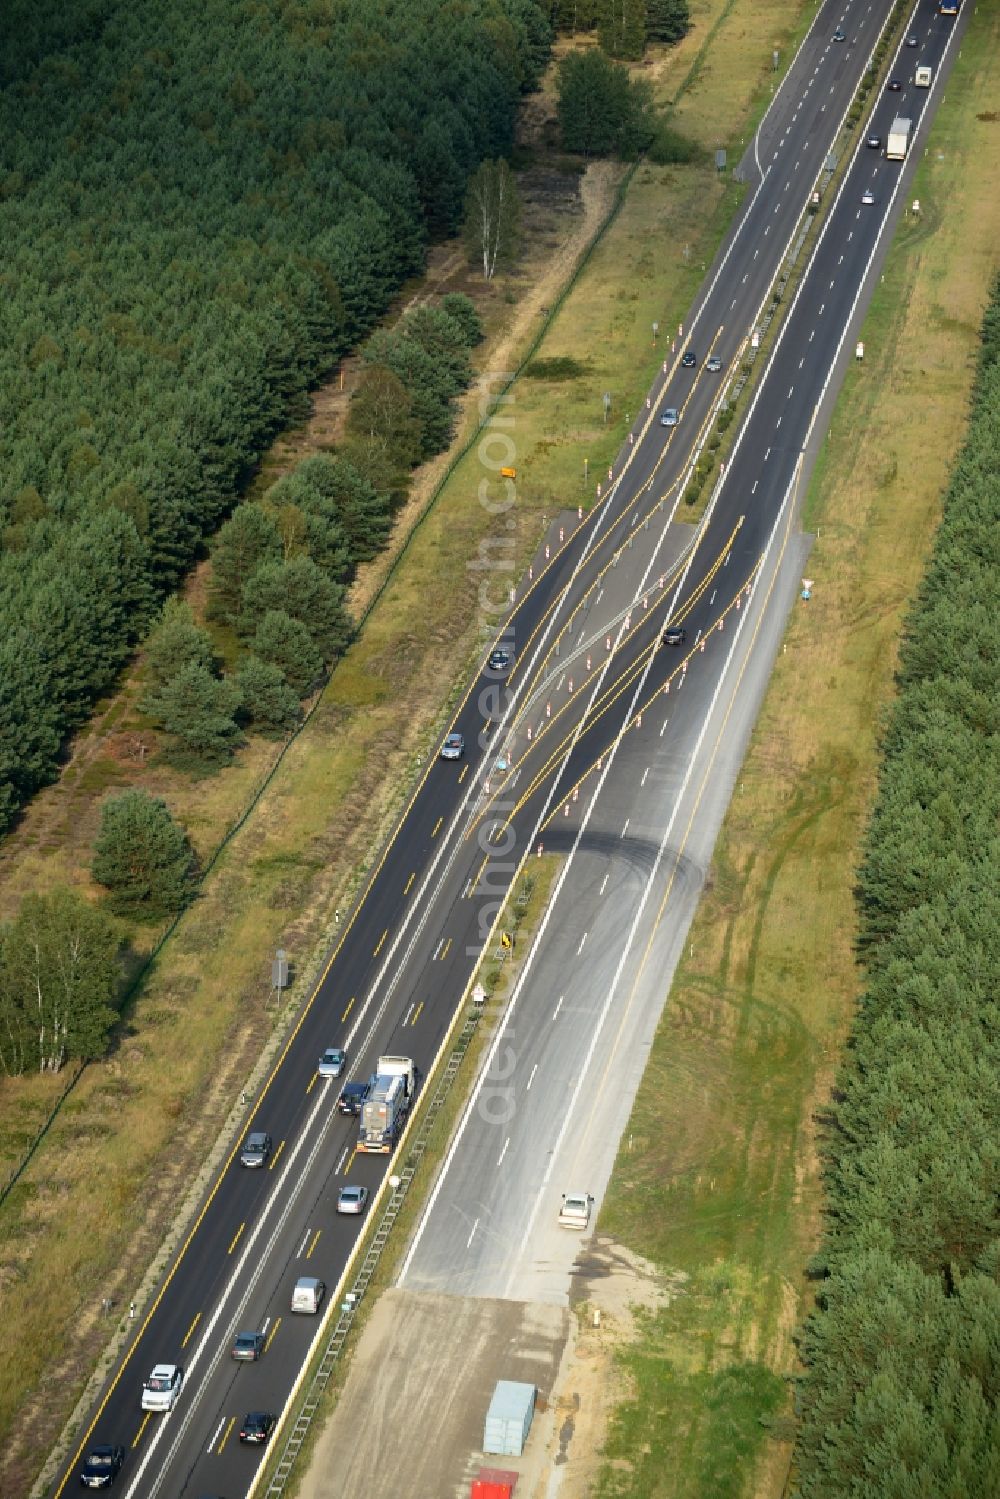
x,y
895,87
840,35
674,635
248,1345
689,361
499,660
101,1468
352,1096
257,1427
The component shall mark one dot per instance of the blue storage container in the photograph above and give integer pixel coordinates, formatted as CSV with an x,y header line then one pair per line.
x,y
508,1419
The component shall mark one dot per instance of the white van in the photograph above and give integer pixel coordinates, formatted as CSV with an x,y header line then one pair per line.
x,y
308,1294
923,76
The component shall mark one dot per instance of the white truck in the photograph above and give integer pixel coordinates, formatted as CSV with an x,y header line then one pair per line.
x,y
923,77
899,139
387,1105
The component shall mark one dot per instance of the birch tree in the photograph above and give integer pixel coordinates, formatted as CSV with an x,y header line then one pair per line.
x,y
58,977
492,216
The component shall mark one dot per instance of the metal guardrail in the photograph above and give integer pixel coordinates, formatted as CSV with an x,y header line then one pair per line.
x,y
302,1424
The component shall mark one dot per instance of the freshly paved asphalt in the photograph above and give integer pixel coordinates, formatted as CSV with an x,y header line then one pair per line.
x,y
408,949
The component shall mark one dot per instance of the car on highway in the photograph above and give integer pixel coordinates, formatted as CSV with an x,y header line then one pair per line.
x,y
248,1346
874,142
308,1294
670,417
161,1389
868,197
352,1096
840,35
352,1199
689,360
575,1210
912,41
713,365
332,1062
257,1427
499,660
895,86
101,1467
674,635
256,1149
453,747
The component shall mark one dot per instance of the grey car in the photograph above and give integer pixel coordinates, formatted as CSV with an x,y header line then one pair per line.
x,y
453,747
256,1149
713,365
248,1346
352,1200
332,1062
670,417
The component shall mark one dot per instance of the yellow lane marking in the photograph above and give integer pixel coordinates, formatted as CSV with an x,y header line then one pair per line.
x,y
378,945
277,1155
271,1334
237,1237
416,1013
142,1427
465,772
645,706
444,950
406,887
614,690
227,1433
622,683
312,1246
187,1335
678,856
350,1160
312,1083
350,1002
436,827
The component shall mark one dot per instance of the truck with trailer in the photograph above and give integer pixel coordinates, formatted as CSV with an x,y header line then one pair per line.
x,y
384,1111
899,139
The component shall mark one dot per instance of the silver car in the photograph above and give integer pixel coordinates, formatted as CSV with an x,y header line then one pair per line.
x,y
453,747
670,417
256,1149
352,1200
332,1062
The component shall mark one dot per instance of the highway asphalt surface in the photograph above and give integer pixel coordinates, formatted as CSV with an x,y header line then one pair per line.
x,y
408,949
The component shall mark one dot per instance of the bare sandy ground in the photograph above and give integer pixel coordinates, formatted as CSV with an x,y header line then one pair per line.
x,y
410,1419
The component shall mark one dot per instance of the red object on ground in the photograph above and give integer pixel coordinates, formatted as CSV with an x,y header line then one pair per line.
x,y
494,1483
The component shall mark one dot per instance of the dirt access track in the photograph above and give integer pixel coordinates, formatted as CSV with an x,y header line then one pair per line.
x,y
410,1418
